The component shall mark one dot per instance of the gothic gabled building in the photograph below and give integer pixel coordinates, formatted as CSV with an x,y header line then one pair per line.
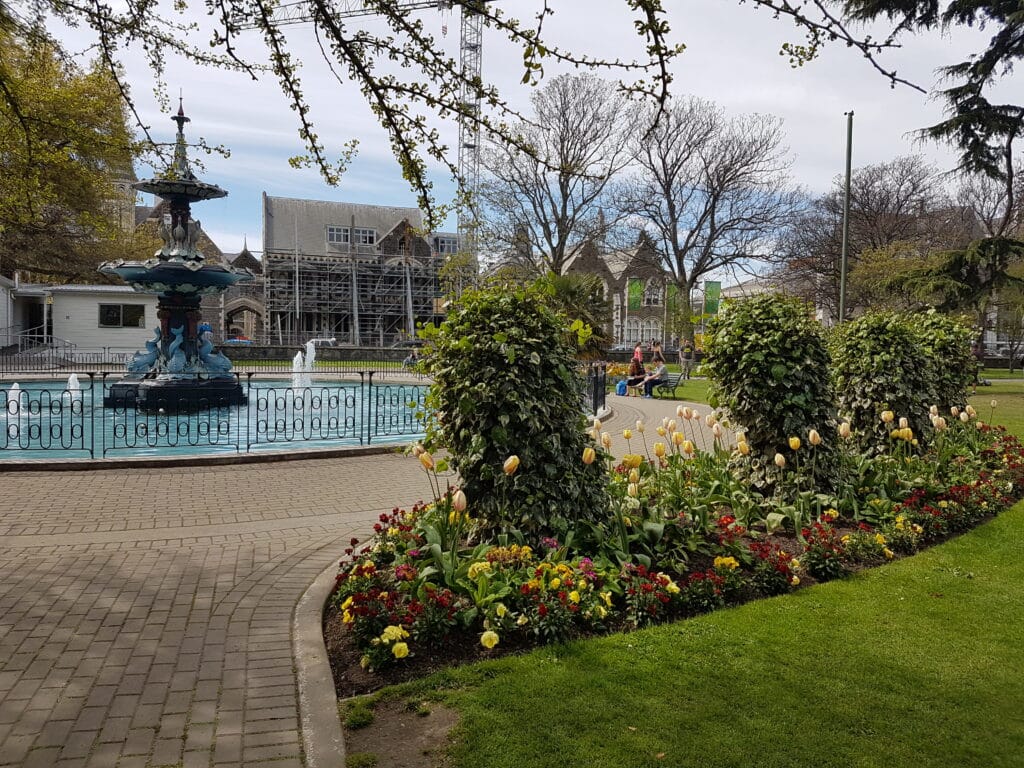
x,y
636,285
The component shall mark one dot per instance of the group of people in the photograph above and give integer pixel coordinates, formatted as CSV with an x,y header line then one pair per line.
x,y
639,376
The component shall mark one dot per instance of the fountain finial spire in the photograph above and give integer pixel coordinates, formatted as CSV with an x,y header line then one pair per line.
x,y
180,166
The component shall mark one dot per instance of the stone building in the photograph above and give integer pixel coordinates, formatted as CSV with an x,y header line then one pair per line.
x,y
640,290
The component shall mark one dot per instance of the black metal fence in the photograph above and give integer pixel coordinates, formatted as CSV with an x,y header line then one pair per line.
x,y
58,419
383,361
594,389
44,419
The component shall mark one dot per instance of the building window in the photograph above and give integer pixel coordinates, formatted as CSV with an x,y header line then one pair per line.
x,y
362,236
122,315
446,244
337,235
652,294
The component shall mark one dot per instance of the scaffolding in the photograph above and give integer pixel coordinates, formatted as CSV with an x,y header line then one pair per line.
x,y
359,299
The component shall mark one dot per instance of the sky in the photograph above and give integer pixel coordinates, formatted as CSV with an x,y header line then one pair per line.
x,y
732,57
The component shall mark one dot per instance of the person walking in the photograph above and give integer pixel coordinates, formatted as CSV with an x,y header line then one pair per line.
x,y
686,356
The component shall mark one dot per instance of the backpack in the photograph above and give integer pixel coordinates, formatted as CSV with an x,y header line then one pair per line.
x,y
620,388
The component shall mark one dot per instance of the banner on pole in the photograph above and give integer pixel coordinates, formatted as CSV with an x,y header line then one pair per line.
x,y
635,293
673,298
712,296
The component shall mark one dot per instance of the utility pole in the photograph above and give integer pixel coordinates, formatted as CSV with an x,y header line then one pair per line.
x,y
846,218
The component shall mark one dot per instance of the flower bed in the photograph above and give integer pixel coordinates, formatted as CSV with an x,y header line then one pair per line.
x,y
682,536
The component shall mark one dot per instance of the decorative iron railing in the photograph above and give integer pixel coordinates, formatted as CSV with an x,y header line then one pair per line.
x,y
594,389
44,419
49,419
384,362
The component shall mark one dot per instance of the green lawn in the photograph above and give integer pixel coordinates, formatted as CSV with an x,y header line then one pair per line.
x,y
1009,409
918,663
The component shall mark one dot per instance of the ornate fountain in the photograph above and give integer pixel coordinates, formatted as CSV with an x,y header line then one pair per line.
x,y
179,371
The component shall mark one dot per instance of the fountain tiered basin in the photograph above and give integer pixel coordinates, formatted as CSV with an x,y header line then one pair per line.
x,y
180,371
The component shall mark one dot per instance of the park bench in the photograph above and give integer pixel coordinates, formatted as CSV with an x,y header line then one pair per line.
x,y
669,385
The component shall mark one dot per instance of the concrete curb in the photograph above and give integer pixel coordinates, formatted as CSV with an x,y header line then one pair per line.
x,y
322,740
196,461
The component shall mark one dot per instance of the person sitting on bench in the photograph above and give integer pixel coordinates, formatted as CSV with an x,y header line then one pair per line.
x,y
636,374
654,378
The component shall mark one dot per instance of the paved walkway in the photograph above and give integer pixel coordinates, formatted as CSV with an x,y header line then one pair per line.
x,y
146,614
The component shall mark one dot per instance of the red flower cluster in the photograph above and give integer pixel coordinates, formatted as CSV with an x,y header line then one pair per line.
x,y
728,530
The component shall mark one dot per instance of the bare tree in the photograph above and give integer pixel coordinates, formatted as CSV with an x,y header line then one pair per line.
x,y
996,204
899,202
710,190
542,197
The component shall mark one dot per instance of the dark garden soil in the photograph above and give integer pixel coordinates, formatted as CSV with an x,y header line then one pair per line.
x,y
403,734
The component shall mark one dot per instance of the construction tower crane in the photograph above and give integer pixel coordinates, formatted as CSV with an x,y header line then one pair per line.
x,y
470,62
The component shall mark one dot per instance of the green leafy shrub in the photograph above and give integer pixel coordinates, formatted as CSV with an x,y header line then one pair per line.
x,y
769,365
947,343
902,363
506,383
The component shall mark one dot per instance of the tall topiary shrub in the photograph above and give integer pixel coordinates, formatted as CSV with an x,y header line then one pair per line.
x,y
946,341
506,383
904,363
768,363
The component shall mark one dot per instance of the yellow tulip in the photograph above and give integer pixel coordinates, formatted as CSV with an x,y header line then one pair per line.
x,y
597,425
400,650
589,454
427,461
888,416
813,437
743,448
511,464
459,501
688,447
634,476
489,639
660,431
678,438
628,434
794,443
659,450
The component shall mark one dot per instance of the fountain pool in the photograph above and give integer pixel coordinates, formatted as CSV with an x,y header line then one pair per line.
x,y
62,420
